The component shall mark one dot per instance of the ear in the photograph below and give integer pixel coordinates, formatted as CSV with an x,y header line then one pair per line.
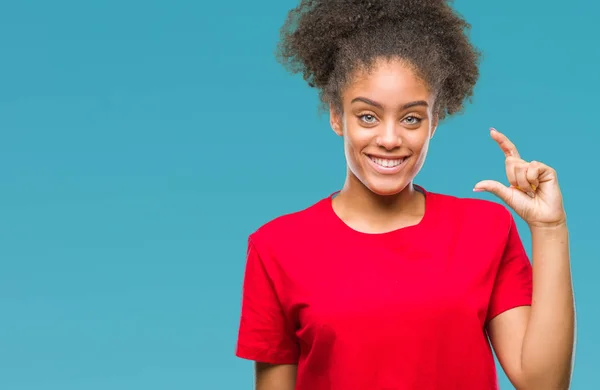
x,y
335,120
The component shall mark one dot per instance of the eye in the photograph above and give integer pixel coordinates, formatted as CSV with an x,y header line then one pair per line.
x,y
368,118
412,120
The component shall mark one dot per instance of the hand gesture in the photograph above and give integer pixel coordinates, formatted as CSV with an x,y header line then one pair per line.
x,y
534,193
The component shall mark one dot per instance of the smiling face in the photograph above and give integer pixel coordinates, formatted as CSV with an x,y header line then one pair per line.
x,y
386,122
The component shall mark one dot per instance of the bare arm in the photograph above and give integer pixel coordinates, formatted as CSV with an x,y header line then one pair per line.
x,y
535,345
275,376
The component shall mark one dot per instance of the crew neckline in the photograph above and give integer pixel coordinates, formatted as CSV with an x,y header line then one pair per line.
x,y
427,216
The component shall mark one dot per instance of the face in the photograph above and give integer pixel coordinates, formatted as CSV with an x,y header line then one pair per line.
x,y
386,122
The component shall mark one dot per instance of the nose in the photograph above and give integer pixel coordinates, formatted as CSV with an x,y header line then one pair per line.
x,y
389,136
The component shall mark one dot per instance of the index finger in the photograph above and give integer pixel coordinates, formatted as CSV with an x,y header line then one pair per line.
x,y
509,149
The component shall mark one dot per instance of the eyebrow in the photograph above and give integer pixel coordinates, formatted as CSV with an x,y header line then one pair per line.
x,y
380,106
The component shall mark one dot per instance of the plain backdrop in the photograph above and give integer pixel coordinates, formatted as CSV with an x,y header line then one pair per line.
x,y
142,141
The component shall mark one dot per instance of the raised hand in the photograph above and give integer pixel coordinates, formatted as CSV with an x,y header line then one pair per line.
x,y
533,191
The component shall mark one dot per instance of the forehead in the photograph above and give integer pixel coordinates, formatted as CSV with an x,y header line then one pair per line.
x,y
388,81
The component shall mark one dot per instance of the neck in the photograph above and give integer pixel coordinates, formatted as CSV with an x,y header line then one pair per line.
x,y
356,202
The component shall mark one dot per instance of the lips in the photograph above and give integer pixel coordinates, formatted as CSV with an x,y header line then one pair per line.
x,y
387,162
387,165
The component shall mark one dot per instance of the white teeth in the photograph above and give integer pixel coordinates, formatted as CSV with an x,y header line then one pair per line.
x,y
387,163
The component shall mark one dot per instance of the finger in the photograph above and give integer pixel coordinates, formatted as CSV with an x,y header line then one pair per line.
x,y
509,149
533,174
522,180
500,190
511,166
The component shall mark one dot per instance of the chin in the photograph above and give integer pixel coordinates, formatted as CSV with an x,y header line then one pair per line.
x,y
387,189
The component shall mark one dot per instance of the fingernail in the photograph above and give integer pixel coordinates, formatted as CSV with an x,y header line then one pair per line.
x,y
477,190
533,187
493,130
531,194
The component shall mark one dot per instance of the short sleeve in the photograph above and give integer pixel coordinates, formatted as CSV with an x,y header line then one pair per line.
x,y
265,335
513,284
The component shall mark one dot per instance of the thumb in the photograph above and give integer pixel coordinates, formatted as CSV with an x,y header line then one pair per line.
x,y
496,188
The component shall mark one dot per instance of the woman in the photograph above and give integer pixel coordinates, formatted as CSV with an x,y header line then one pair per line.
x,y
384,285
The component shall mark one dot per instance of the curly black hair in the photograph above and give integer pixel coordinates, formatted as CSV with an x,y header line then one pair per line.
x,y
326,40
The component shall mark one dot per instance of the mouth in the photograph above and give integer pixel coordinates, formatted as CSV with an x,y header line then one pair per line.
x,y
387,165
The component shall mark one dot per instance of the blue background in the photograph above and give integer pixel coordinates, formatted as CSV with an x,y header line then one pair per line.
x,y
142,141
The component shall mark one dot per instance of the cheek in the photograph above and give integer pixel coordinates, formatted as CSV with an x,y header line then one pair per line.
x,y
355,141
417,141
421,151
357,138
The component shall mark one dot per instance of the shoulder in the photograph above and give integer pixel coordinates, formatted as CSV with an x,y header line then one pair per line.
x,y
478,212
297,225
467,204
476,225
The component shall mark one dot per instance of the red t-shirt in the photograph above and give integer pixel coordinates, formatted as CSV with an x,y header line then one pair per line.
x,y
406,309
